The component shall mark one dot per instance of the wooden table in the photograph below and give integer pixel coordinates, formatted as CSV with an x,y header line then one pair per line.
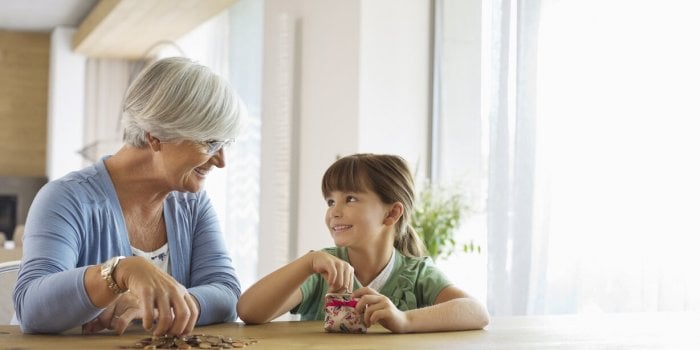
x,y
611,331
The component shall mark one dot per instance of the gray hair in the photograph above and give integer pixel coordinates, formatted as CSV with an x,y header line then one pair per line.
x,y
178,99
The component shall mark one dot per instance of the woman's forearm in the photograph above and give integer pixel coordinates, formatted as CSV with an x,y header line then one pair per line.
x,y
54,303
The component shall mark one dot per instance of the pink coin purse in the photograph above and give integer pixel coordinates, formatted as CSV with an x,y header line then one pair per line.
x,y
341,316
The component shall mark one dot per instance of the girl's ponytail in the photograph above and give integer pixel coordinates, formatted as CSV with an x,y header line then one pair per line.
x,y
408,243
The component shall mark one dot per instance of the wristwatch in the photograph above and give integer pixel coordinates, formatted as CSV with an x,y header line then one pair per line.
x,y
107,271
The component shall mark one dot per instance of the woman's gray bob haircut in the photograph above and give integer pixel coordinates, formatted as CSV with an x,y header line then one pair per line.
x,y
178,99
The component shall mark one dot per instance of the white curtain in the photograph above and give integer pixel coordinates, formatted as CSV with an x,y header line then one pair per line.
x,y
512,69
593,161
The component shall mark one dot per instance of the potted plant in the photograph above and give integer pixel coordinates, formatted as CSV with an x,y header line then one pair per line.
x,y
438,213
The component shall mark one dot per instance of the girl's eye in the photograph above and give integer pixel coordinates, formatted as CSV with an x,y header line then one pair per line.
x,y
351,199
330,202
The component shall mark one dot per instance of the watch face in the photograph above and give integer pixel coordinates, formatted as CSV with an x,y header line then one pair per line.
x,y
108,266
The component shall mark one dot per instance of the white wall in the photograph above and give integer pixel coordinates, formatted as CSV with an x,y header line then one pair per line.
x,y
328,124
339,77
309,112
394,79
65,106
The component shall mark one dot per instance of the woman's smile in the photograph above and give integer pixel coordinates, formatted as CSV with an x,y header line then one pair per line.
x,y
201,172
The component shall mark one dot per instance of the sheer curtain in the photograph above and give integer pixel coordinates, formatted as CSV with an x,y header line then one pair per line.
x,y
511,71
593,172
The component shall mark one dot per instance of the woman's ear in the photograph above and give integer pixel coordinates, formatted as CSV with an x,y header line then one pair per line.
x,y
394,214
153,142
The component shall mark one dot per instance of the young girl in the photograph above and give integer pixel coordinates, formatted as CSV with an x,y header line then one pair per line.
x,y
378,256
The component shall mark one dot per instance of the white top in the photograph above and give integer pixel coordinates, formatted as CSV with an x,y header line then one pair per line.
x,y
159,257
383,276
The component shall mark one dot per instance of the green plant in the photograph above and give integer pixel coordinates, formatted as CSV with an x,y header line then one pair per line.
x,y
438,213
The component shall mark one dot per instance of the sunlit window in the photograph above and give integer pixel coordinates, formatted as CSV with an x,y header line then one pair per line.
x,y
581,120
617,149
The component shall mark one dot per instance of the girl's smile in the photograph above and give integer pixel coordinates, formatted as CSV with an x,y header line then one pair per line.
x,y
341,228
355,219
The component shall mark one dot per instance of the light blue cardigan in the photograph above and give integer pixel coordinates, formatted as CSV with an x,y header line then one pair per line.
x,y
76,221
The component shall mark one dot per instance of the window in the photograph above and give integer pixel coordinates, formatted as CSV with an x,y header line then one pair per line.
x,y
459,138
592,175
617,141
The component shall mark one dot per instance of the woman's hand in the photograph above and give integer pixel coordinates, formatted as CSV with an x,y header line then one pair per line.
x,y
117,316
159,296
338,273
377,308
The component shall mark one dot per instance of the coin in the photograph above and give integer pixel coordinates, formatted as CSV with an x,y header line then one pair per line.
x,y
195,341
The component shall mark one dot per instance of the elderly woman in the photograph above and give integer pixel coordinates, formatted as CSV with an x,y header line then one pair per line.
x,y
133,236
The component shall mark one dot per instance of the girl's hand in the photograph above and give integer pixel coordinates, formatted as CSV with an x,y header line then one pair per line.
x,y
338,274
379,309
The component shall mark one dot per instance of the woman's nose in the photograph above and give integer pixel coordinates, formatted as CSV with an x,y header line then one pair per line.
x,y
219,158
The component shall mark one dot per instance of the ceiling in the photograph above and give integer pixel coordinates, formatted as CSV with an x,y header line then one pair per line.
x,y
111,28
42,15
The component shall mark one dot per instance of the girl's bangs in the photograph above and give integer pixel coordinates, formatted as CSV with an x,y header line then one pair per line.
x,y
345,175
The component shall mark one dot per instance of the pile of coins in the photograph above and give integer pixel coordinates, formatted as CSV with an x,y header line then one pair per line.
x,y
195,341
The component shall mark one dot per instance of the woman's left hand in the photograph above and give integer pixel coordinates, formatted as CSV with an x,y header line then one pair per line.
x,y
117,316
379,309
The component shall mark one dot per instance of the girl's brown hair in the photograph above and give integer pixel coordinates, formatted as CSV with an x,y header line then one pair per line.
x,y
389,177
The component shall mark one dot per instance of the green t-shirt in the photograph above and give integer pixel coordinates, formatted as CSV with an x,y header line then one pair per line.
x,y
413,283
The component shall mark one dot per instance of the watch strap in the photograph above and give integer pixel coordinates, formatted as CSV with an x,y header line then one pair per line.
x,y
107,271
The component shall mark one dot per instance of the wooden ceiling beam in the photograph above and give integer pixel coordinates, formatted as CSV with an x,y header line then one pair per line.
x,y
129,28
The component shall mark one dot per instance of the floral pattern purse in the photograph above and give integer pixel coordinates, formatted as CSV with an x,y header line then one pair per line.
x,y
341,316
